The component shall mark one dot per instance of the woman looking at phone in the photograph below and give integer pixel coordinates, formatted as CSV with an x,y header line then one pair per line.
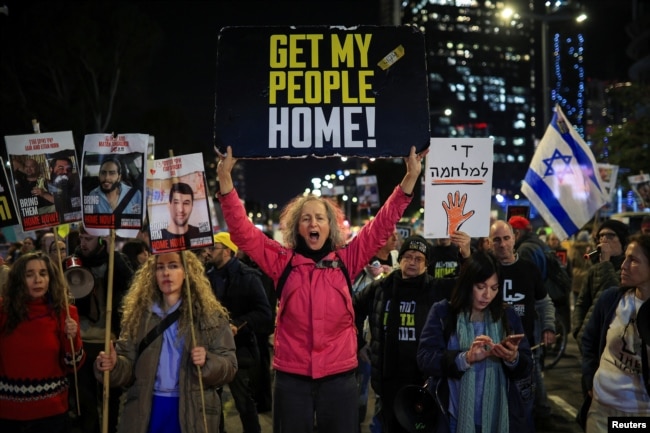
x,y
464,348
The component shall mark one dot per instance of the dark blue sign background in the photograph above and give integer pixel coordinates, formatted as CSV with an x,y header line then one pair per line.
x,y
322,91
8,211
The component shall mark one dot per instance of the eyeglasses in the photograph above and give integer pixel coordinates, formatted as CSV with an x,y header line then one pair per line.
x,y
417,259
607,235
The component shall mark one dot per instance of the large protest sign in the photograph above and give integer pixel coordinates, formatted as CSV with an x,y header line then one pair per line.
x,y
8,210
177,204
458,187
45,179
323,91
113,181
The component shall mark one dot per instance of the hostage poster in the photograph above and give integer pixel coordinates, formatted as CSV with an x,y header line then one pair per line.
x,y
321,91
45,178
177,204
113,181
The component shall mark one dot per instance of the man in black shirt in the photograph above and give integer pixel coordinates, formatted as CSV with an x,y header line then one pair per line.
x,y
523,289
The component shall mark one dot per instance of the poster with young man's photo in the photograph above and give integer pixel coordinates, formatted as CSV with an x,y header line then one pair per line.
x,y
113,181
45,179
177,204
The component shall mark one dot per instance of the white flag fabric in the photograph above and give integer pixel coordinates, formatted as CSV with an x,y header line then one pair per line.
x,y
563,181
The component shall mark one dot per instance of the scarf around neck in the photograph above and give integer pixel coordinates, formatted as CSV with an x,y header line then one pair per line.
x,y
494,416
315,255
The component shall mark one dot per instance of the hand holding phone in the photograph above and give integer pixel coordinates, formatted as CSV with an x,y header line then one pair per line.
x,y
514,339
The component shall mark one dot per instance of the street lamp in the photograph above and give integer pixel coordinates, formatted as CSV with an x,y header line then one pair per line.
x,y
510,14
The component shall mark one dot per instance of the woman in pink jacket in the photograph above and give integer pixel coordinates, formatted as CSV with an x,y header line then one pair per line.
x,y
315,340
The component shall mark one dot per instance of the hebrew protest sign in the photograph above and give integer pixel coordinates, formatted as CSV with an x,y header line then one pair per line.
x,y
458,187
321,91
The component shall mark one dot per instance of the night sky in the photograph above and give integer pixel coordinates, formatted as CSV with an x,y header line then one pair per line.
x,y
182,72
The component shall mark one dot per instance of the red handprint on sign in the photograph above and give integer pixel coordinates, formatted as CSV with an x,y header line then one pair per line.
x,y
454,210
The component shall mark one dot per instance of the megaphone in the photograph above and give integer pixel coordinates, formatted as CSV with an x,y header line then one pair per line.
x,y
80,280
415,409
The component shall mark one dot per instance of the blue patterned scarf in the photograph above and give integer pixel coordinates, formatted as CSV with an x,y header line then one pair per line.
x,y
494,416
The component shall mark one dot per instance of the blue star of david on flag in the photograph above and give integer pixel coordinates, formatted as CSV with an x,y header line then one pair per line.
x,y
564,169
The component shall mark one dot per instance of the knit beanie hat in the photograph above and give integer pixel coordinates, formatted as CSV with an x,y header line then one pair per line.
x,y
415,243
621,230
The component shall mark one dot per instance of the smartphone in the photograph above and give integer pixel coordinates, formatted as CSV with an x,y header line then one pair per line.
x,y
514,339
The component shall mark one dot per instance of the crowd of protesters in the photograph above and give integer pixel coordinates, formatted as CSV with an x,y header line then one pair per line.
x,y
435,310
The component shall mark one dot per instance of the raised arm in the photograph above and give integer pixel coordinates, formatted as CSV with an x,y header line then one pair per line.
x,y
224,169
413,170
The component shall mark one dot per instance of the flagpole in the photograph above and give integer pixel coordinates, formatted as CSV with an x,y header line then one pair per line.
x,y
59,267
107,334
188,294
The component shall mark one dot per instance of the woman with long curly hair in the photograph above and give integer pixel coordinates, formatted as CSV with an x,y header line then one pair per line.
x,y
163,388
36,353
315,356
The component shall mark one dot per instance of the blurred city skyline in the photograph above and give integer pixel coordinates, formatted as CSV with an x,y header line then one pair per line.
x,y
179,78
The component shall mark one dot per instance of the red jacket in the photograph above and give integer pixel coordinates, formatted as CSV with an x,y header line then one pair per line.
x,y
315,333
35,359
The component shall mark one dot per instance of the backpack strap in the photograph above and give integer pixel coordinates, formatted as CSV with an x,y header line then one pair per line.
x,y
159,329
345,272
321,264
283,277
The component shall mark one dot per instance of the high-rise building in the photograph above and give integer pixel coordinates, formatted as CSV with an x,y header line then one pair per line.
x,y
486,79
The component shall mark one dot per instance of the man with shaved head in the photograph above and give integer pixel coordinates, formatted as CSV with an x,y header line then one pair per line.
x,y
523,288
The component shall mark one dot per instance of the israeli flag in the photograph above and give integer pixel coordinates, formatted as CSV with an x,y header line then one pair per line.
x,y
563,181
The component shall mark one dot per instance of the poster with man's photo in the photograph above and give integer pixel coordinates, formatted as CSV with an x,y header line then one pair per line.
x,y
177,204
608,174
640,184
113,181
367,192
45,179
8,210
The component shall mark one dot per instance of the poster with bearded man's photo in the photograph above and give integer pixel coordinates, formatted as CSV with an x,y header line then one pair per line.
x,y
113,181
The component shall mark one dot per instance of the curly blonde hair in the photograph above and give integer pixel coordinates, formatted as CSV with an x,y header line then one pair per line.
x,y
291,218
16,295
144,292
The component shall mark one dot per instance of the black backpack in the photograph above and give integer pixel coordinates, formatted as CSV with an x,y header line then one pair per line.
x,y
558,282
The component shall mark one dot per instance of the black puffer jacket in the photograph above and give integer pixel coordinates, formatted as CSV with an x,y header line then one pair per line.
x,y
122,274
245,299
371,303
